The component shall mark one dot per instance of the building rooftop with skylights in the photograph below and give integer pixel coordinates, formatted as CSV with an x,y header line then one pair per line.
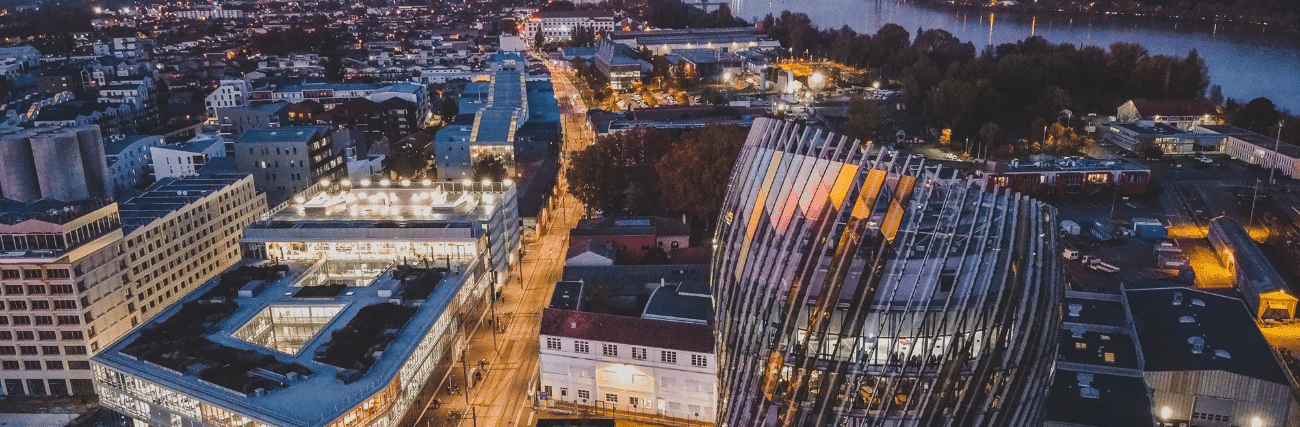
x,y
393,221
308,343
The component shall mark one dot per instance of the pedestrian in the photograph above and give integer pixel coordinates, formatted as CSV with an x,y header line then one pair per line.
x,y
436,403
477,377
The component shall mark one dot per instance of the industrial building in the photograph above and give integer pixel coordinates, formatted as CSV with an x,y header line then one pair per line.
x,y
1205,361
878,290
1098,372
67,164
1259,283
1171,140
91,271
1069,176
665,41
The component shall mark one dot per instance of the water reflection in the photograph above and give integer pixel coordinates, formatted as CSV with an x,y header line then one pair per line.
x,y
1248,63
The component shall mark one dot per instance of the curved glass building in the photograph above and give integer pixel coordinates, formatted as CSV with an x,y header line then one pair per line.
x,y
858,288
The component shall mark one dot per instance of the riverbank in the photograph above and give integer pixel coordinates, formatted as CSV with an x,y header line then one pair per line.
x,y
1222,18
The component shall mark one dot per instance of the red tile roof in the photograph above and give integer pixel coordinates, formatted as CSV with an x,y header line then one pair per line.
x,y
1173,107
627,330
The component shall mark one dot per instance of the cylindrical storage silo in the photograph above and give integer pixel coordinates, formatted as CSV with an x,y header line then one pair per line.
x,y
95,163
58,166
18,179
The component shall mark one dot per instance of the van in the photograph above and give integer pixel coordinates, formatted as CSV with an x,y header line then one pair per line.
x,y
1070,254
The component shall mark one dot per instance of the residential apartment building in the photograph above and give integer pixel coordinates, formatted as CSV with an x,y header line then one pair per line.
x,y
661,362
558,26
186,158
287,160
233,121
231,93
129,160
78,278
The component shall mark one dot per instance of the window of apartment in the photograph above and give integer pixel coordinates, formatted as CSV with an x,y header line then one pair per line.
x,y
60,289
4,320
9,365
58,273
584,394
32,365
7,350
32,274
9,274
633,400
71,335
73,350
610,350
28,350
611,397
69,320
581,346
45,335
79,365
668,356
50,350
40,305
14,289
65,304
44,320
17,305
22,320
6,335
638,353
699,361
552,343
26,336
54,365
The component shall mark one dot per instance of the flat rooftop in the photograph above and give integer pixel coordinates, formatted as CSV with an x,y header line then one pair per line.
x,y
394,204
1094,309
169,194
287,134
1106,400
1072,164
1157,129
1262,141
302,375
1098,349
1182,329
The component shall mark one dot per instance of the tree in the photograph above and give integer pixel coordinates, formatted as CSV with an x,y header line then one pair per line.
x,y
1259,115
1216,95
864,121
490,167
408,161
989,134
448,108
693,176
594,177
1149,150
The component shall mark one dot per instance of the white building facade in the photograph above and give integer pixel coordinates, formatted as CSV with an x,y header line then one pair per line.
x,y
231,93
558,26
642,365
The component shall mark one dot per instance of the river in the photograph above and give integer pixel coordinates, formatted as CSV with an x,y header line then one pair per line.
x,y
1247,63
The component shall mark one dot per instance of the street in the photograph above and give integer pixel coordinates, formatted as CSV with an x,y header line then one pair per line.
x,y
507,361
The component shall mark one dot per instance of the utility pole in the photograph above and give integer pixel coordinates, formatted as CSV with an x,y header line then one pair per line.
x,y
1277,157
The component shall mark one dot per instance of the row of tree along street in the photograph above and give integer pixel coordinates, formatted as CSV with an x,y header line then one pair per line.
x,y
646,171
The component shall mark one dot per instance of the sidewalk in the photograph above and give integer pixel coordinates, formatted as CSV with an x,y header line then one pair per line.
x,y
565,409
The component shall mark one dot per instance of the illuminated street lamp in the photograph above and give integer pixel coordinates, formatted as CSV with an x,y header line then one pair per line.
x,y
1256,422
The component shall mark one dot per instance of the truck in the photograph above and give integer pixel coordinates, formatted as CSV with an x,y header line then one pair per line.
x,y
1070,227
1096,263
1104,230
1149,228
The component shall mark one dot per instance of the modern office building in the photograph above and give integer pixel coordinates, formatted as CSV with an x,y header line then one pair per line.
x,y
854,287
186,158
323,343
436,222
78,276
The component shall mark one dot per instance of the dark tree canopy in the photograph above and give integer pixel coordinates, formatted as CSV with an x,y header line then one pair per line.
x,y
490,167
694,175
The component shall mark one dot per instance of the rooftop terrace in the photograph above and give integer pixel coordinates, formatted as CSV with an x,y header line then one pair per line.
x,y
312,358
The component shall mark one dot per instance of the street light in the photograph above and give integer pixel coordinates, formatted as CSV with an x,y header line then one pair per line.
x,y
1256,422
